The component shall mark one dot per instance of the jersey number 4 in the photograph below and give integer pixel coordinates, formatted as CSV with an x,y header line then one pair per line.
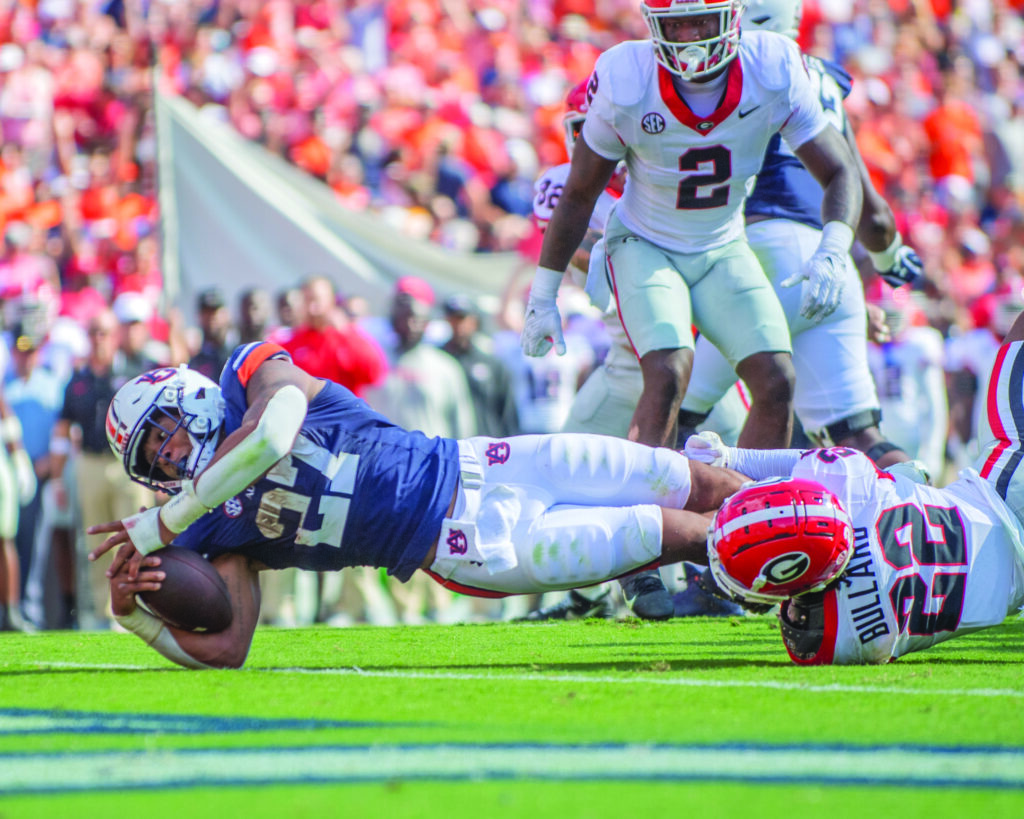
x,y
916,539
715,165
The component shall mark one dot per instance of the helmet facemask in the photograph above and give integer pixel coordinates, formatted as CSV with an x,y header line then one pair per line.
x,y
698,58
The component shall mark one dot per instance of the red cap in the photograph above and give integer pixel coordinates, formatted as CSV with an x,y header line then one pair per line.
x,y
416,287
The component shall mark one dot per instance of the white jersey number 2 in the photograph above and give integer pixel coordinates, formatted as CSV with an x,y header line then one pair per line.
x,y
715,165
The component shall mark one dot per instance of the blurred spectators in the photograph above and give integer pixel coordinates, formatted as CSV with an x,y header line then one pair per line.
x,y
328,344
217,340
490,383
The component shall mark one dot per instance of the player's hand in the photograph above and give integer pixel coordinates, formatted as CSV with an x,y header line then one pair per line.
x,y
825,274
145,531
907,268
123,587
708,448
878,326
542,328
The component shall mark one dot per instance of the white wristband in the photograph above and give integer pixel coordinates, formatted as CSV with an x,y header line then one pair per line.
x,y
141,623
144,530
10,429
546,283
883,260
60,446
836,238
183,509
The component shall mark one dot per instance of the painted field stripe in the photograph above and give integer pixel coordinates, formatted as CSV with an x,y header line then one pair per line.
x,y
638,679
50,773
39,721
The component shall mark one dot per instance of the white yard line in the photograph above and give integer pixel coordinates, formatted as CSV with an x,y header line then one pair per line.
x,y
586,679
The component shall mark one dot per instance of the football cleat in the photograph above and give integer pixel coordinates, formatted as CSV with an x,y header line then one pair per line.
x,y
647,596
574,606
696,601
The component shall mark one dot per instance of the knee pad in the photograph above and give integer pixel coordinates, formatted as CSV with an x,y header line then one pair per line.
x,y
844,427
578,546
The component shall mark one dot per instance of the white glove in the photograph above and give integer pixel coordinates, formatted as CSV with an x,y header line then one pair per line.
x,y
25,476
707,447
543,325
825,272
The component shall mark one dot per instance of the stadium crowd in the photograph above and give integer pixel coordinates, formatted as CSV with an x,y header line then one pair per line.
x,y
438,115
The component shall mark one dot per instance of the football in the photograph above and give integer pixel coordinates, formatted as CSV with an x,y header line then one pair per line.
x,y
193,596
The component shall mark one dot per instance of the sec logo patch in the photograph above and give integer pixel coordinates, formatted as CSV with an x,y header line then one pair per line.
x,y
653,123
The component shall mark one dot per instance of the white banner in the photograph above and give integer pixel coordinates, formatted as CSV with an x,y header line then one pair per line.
x,y
235,215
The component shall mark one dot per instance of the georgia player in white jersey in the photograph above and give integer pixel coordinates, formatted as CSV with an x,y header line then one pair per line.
x,y
835,396
875,565
690,112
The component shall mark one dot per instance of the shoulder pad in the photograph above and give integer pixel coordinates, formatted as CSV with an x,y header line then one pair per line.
x,y
632,60
771,59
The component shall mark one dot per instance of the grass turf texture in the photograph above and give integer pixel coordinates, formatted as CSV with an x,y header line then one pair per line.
x,y
570,719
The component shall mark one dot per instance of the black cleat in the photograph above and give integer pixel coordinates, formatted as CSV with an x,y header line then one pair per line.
x,y
574,606
647,596
696,601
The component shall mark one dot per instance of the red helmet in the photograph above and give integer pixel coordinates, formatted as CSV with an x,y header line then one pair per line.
x,y
779,538
577,103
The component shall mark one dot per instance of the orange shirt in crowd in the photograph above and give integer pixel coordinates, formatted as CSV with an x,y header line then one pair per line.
x,y
954,132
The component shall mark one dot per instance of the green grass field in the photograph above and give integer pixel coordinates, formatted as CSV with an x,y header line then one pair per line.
x,y
699,716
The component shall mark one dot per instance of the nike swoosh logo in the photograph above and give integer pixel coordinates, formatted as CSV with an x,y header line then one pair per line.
x,y
742,114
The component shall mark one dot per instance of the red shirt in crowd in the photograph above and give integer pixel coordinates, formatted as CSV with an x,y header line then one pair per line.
x,y
346,355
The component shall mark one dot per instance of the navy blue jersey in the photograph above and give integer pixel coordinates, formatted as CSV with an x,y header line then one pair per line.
x,y
785,189
356,490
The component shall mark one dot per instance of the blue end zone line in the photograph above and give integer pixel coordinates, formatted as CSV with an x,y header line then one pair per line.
x,y
25,721
1015,753
634,679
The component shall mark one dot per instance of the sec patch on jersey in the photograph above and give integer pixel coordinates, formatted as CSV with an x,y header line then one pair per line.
x,y
193,595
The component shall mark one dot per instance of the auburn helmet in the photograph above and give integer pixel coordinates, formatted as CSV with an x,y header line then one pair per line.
x,y
180,398
782,16
779,538
700,57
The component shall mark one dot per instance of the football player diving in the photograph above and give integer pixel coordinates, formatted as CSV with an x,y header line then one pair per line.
x,y
274,468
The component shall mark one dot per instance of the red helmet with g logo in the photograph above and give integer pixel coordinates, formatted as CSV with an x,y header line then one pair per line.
x,y
779,538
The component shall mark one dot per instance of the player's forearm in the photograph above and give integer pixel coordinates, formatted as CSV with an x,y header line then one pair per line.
x,y
843,198
764,463
564,233
157,635
877,227
246,455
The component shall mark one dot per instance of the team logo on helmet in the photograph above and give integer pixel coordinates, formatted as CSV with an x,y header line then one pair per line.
x,y
786,568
